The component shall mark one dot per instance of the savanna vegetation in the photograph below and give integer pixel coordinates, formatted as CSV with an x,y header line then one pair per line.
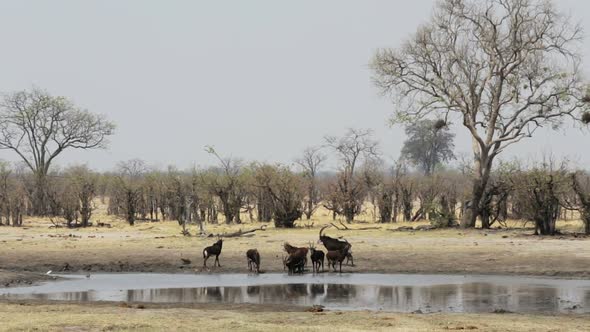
x,y
499,70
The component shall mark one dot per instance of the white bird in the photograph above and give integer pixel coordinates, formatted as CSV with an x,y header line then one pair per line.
x,y
48,272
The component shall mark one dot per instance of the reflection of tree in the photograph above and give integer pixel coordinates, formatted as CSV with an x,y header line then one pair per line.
x,y
72,296
468,297
538,299
253,290
234,294
317,290
435,298
214,293
295,290
385,295
342,293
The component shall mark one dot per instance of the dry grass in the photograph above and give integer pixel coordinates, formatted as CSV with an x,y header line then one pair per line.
x,y
158,246
111,317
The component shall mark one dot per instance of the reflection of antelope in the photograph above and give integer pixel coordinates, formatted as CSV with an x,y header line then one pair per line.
x,y
333,244
214,250
317,258
253,260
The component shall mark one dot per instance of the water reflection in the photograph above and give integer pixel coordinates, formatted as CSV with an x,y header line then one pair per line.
x,y
468,297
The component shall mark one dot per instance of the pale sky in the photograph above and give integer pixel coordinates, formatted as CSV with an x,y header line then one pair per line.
x,y
259,80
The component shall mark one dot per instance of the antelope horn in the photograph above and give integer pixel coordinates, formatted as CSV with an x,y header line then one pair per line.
x,y
322,229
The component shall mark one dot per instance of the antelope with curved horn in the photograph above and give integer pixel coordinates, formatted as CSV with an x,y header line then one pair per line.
x,y
214,250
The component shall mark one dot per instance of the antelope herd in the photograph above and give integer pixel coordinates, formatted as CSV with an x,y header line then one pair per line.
x,y
296,259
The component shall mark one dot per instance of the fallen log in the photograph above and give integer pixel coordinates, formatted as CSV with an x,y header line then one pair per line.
x,y
239,232
367,228
402,228
354,229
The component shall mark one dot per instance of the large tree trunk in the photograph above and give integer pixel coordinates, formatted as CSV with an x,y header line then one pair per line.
x,y
482,169
349,211
40,194
473,210
309,209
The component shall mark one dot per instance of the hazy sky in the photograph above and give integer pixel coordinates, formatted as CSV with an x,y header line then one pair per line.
x,y
260,80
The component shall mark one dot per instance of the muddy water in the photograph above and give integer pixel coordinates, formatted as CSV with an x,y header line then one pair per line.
x,y
389,292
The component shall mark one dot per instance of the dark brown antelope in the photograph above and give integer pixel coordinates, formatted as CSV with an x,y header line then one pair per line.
x,y
253,260
333,244
297,258
337,256
295,263
317,258
214,250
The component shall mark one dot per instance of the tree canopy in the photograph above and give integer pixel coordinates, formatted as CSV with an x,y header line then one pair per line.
x,y
428,145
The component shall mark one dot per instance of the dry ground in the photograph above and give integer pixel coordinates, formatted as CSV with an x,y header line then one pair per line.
x,y
158,247
119,317
28,252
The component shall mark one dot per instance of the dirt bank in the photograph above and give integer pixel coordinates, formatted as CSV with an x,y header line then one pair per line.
x,y
158,247
21,278
122,317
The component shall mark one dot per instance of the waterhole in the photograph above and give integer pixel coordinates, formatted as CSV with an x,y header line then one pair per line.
x,y
388,292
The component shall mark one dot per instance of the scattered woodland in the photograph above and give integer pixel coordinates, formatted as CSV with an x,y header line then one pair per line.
x,y
497,69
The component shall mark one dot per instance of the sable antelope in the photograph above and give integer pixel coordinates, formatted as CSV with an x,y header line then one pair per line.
x,y
317,258
337,256
214,250
253,260
333,244
297,258
297,251
295,263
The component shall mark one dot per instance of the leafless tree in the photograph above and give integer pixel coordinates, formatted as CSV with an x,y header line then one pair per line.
x,y
503,68
353,148
285,190
229,184
77,195
128,189
428,189
539,191
310,163
580,199
39,127
372,176
5,177
384,199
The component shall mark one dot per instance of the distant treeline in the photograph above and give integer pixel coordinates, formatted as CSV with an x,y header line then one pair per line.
x,y
281,194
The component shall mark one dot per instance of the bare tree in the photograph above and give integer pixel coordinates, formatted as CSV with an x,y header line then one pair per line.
x,y
503,68
5,177
310,162
285,191
128,189
229,184
78,195
39,127
385,198
540,190
580,199
352,148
